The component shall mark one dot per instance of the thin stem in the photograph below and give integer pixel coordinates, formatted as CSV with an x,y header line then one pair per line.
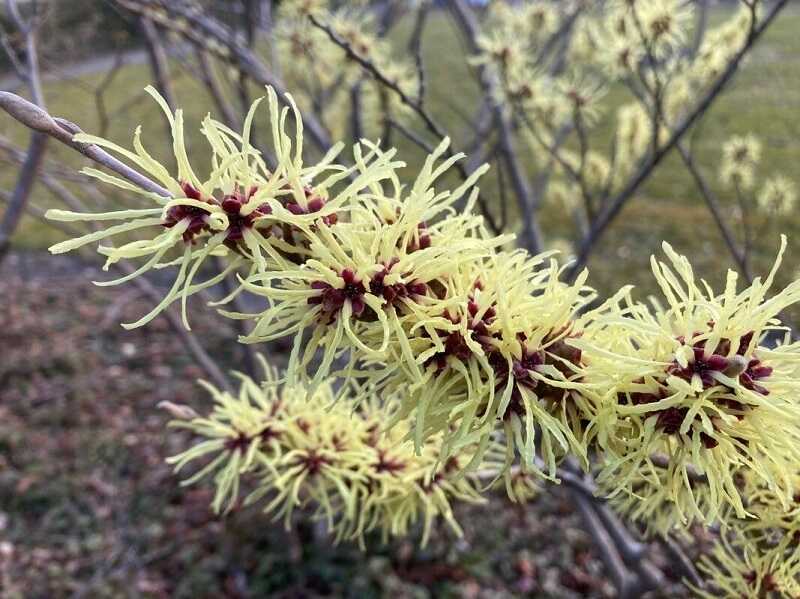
x,y
713,205
63,130
415,48
531,236
38,141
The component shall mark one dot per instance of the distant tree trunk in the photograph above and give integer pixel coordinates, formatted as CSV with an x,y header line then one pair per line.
x,y
252,19
22,190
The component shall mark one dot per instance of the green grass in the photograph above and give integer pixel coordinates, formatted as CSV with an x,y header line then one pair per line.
x,y
764,99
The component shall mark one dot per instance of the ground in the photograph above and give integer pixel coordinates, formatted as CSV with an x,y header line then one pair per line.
x,y
88,507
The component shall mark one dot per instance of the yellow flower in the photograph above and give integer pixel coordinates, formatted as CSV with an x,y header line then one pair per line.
x,y
634,134
327,453
233,212
492,348
741,570
779,195
732,174
649,499
369,269
691,382
742,150
663,24
582,96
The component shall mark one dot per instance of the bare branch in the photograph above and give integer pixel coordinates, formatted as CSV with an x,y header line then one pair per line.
x,y
559,41
700,27
268,24
99,92
171,314
415,48
376,73
356,112
739,256
158,64
624,581
63,130
208,74
680,558
744,209
410,135
38,141
11,53
22,189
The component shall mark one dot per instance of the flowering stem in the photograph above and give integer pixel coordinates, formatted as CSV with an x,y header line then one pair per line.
x,y
613,208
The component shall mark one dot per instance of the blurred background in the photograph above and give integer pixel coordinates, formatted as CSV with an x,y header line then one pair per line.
x,y
88,508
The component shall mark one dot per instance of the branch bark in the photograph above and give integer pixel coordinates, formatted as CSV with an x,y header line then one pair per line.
x,y
415,105
37,119
158,60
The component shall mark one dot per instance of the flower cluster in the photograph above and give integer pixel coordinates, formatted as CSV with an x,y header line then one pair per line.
x,y
390,285
691,391
778,195
740,571
723,42
328,453
554,66
232,212
740,156
461,356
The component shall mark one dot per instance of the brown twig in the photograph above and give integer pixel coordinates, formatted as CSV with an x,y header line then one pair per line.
x,y
64,131
411,135
415,48
99,93
158,60
679,557
209,77
624,581
712,203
